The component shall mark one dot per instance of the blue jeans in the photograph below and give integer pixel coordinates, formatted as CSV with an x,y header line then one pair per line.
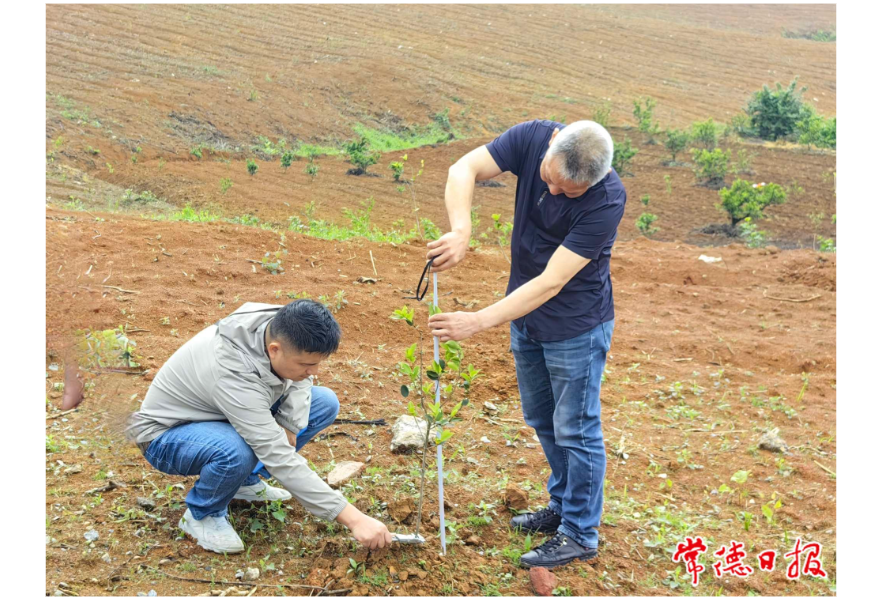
x,y
222,459
559,384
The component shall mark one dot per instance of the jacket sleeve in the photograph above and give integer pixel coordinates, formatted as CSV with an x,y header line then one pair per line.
x,y
293,413
246,406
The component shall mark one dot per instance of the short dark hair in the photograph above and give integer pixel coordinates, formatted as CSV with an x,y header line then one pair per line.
x,y
307,326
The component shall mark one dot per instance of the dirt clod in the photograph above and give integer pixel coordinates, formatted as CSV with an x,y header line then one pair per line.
x,y
402,509
516,498
543,581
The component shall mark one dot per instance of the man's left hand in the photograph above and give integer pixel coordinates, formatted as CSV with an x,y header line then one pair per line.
x,y
455,326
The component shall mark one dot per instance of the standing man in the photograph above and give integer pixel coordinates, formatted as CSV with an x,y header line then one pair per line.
x,y
559,301
239,392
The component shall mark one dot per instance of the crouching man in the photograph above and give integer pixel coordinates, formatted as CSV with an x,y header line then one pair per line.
x,y
237,400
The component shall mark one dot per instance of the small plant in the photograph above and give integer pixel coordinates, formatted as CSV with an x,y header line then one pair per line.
x,y
197,152
743,161
502,230
109,168
312,170
272,262
676,142
225,184
711,166
448,374
644,224
644,199
750,233
744,199
667,179
135,154
251,166
816,130
336,303
107,348
360,155
253,96
643,109
622,155
826,244
707,133
93,151
287,158
397,170
601,114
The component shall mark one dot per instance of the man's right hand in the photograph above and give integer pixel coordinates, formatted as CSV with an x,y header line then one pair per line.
x,y
366,530
448,250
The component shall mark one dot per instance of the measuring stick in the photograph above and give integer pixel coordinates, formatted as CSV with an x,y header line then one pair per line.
x,y
438,403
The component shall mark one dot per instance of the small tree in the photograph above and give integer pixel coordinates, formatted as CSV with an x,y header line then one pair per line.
x,y
676,142
251,166
601,114
644,224
397,170
643,109
449,374
815,130
622,155
707,133
711,166
774,114
360,155
287,158
744,199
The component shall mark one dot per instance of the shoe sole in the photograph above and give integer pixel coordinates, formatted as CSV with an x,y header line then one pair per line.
x,y
185,528
550,566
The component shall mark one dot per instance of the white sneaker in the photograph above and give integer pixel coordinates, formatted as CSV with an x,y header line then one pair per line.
x,y
212,533
261,492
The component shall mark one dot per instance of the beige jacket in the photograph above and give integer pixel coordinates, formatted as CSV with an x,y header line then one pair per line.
x,y
223,374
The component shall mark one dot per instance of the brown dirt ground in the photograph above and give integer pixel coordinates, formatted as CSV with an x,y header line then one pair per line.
x,y
738,335
721,327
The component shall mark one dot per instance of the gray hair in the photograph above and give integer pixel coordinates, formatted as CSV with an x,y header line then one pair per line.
x,y
585,150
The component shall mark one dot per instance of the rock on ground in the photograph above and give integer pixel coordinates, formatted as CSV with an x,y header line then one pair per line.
x,y
343,472
543,581
408,433
251,574
516,498
146,503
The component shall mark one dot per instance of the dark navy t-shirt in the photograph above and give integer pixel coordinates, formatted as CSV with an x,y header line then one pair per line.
x,y
585,225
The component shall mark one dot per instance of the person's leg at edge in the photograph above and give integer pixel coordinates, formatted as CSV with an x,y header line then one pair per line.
x,y
537,403
576,367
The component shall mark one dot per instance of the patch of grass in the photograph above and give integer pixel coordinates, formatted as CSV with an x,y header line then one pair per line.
x,y
191,215
385,140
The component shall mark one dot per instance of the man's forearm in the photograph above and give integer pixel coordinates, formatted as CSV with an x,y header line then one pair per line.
x,y
458,199
523,300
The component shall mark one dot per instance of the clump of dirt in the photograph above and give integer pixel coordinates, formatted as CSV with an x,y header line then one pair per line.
x,y
516,498
401,509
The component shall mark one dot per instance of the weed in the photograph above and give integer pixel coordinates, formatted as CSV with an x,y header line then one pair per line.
x,y
107,348
251,166
197,152
752,235
602,113
272,262
225,184
312,170
190,215
667,179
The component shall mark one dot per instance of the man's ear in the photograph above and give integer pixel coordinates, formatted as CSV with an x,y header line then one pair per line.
x,y
553,135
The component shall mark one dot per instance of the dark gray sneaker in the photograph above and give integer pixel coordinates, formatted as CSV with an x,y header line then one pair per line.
x,y
556,552
543,521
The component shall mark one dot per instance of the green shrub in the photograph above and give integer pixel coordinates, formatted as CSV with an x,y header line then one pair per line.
x,y
774,114
815,130
360,155
622,155
312,170
443,119
430,230
743,199
397,170
749,232
676,142
197,152
251,166
601,114
644,224
287,159
711,166
643,109
707,133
